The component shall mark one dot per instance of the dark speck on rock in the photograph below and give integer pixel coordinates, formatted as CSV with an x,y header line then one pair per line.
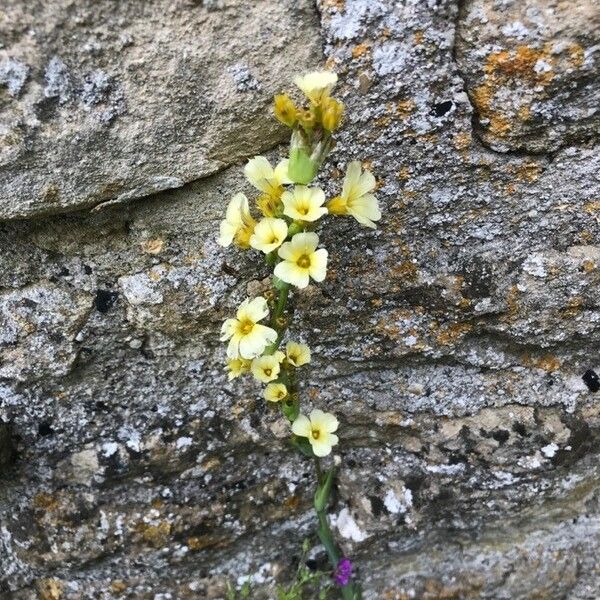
x,y
105,299
377,506
501,435
519,428
311,564
440,109
591,379
44,429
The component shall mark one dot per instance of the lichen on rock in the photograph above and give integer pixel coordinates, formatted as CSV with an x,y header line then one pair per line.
x,y
458,342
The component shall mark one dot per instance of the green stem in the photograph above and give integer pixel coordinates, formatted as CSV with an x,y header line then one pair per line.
x,y
277,313
281,302
350,591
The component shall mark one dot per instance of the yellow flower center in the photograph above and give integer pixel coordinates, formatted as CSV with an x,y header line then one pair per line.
x,y
315,434
268,372
304,261
303,210
246,326
293,357
274,239
281,394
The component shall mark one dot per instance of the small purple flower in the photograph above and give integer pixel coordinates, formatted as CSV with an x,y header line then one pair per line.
x,y
343,572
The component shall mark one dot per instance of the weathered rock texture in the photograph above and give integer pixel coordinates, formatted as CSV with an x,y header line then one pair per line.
x,y
458,343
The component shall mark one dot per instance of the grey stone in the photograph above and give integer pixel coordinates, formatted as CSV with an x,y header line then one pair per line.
x,y
451,342
105,98
531,69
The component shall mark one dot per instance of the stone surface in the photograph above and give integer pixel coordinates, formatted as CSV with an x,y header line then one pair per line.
x,y
531,71
108,101
452,343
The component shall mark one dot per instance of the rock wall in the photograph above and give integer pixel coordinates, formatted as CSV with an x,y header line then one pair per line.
x,y
458,343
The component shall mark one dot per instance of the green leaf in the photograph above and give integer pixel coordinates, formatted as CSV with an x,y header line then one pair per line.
x,y
290,407
302,445
279,284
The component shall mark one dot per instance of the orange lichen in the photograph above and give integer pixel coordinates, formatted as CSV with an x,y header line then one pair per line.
x,y
462,140
453,333
548,363
197,543
524,112
588,266
505,69
292,502
360,50
404,108
576,55
528,171
404,174
45,502
155,535
512,304
519,64
573,308
152,246
338,5
500,125
592,207
419,37
118,586
50,589
406,270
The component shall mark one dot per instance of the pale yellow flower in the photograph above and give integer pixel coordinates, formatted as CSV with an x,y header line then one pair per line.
x,y
318,428
269,234
236,367
316,85
275,392
356,198
247,338
304,203
263,177
238,223
266,368
302,260
297,354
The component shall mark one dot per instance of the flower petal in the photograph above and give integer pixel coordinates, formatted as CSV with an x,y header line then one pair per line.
x,y
305,243
291,273
259,173
281,172
351,179
301,426
233,348
318,265
256,309
228,329
287,252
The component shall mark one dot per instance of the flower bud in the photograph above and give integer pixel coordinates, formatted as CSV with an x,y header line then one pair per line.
x,y
307,118
294,228
285,110
331,113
